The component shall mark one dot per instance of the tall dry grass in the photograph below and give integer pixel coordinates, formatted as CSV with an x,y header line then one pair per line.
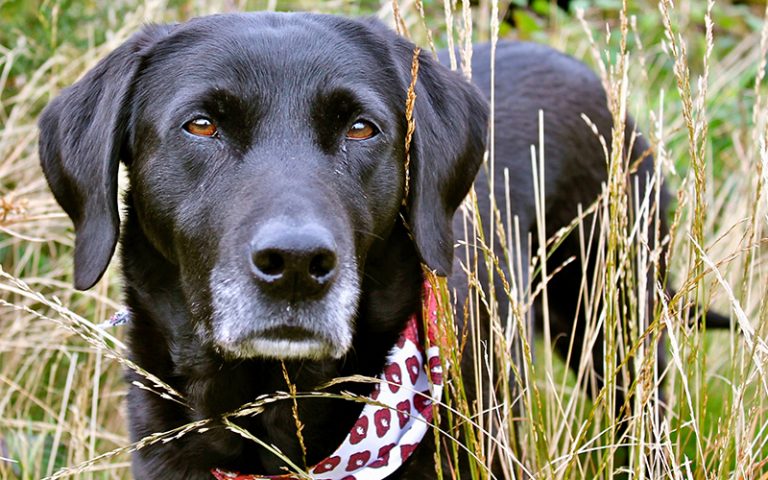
x,y
703,107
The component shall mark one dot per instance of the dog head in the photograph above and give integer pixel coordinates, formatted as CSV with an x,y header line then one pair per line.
x,y
266,153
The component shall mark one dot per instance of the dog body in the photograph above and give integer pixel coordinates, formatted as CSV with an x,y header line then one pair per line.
x,y
267,165
532,78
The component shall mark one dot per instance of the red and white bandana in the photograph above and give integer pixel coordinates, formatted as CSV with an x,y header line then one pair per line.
x,y
385,436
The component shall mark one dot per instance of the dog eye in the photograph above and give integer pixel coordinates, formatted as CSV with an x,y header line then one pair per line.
x,y
361,130
201,127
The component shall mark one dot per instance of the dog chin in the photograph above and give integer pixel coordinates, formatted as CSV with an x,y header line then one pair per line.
x,y
309,349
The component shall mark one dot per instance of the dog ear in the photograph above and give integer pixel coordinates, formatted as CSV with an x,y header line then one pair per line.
x,y
82,133
451,119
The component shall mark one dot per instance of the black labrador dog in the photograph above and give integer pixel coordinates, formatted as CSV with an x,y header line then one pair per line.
x,y
266,223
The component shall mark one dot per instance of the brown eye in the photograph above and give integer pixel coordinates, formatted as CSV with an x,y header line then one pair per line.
x,y
361,130
202,127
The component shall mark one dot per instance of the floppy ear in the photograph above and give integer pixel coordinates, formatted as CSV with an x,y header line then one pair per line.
x,y
451,118
81,137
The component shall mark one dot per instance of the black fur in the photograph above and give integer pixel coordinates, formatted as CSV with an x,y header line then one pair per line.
x,y
283,89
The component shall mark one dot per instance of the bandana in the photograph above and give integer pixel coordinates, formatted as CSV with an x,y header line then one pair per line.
x,y
389,430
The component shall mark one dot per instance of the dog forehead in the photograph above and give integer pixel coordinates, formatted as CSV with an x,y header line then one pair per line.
x,y
270,66
277,47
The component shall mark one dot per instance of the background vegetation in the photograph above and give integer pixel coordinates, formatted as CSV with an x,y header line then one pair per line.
x,y
691,73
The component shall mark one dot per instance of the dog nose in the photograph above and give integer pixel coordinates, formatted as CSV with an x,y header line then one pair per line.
x,y
294,262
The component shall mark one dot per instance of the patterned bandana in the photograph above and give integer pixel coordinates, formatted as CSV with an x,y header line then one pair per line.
x,y
386,433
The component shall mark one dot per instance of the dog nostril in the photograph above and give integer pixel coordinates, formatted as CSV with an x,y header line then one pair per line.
x,y
269,263
321,265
